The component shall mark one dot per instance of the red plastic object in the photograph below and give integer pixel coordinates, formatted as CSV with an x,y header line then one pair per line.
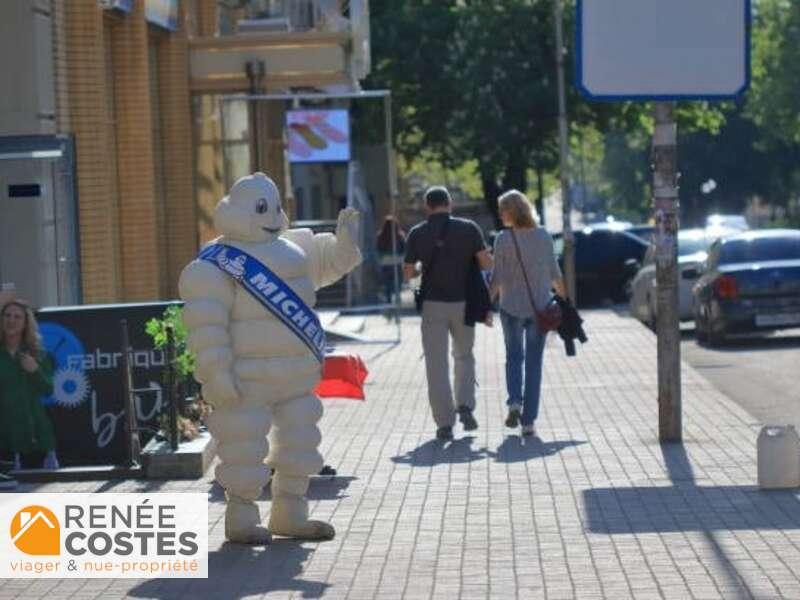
x,y
343,376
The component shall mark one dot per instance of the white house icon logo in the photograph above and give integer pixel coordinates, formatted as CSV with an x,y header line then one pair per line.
x,y
35,530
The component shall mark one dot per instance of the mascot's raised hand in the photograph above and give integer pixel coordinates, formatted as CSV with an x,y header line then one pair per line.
x,y
249,298
347,227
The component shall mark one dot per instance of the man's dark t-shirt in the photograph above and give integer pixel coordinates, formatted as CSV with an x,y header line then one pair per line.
x,y
447,281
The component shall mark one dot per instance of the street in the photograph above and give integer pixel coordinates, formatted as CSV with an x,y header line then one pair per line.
x,y
758,373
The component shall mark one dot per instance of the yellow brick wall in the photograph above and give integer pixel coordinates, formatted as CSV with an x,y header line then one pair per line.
x,y
135,236
207,17
209,186
210,177
138,214
180,233
83,111
60,65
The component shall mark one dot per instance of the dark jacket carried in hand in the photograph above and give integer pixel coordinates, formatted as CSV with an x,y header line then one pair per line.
x,y
571,328
478,302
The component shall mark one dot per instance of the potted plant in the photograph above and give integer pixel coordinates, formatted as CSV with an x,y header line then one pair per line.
x,y
192,409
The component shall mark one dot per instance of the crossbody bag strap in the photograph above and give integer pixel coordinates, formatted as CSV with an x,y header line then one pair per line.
x,y
524,274
426,269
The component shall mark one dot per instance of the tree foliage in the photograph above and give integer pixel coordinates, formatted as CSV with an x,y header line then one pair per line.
x,y
475,82
471,81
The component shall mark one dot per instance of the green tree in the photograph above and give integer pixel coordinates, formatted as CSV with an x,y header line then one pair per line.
x,y
471,81
774,104
475,81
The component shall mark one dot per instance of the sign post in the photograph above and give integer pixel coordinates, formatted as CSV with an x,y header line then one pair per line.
x,y
652,50
563,151
666,206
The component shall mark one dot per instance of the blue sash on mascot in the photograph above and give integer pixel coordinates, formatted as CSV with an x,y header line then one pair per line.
x,y
271,292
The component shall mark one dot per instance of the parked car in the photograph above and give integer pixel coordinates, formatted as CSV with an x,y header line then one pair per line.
x,y
643,231
605,261
610,223
692,252
717,221
750,282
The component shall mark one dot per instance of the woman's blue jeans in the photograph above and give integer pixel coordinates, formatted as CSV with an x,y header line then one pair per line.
x,y
524,345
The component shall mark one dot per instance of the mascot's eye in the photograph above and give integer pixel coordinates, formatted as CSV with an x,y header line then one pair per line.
x,y
261,206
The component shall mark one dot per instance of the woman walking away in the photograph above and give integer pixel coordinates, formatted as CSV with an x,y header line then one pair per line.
x,y
26,373
525,272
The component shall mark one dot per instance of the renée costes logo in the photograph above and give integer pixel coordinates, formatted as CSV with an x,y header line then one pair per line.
x,y
104,535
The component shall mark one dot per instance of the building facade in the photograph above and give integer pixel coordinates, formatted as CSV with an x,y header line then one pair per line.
x,y
113,145
112,77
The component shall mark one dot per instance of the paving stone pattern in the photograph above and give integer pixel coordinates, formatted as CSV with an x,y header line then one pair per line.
x,y
592,507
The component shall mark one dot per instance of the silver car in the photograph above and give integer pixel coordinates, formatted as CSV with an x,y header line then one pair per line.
x,y
727,222
693,247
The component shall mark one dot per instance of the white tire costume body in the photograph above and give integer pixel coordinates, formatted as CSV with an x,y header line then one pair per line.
x,y
259,375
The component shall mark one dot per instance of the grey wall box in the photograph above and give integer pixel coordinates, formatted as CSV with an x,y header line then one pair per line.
x,y
39,243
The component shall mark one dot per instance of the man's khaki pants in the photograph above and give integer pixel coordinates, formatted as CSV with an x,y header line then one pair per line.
x,y
440,320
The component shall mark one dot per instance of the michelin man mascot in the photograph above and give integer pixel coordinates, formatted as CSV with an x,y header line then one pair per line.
x,y
249,297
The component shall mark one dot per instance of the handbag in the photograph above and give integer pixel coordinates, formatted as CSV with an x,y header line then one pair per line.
x,y
419,293
550,318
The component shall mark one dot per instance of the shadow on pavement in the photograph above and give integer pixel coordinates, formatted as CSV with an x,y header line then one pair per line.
x,y
750,341
687,506
237,570
320,488
141,486
748,344
435,452
516,448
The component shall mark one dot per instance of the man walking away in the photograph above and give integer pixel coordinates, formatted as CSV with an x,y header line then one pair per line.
x,y
446,247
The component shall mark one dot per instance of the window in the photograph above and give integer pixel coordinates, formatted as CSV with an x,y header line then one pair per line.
x,y
757,249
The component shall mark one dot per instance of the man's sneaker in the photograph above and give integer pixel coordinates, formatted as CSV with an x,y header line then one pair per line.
x,y
514,414
467,419
444,433
7,483
528,430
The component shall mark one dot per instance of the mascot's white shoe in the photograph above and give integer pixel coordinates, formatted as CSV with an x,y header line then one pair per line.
x,y
289,518
243,523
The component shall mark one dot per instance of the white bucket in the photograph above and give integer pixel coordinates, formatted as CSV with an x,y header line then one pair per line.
x,y
778,457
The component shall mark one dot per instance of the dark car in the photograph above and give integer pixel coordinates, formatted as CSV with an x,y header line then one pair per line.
x,y
750,282
605,261
645,232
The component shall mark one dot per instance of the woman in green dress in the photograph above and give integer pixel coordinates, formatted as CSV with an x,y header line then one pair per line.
x,y
26,374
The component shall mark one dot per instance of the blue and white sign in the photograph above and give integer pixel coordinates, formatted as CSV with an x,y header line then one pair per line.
x,y
663,49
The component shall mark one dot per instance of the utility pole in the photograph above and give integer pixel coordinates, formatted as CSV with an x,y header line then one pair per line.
x,y
563,150
665,205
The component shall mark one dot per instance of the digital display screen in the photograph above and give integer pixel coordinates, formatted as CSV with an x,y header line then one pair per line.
x,y
318,135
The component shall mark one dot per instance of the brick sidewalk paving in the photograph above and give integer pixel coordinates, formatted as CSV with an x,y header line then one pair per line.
x,y
593,507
